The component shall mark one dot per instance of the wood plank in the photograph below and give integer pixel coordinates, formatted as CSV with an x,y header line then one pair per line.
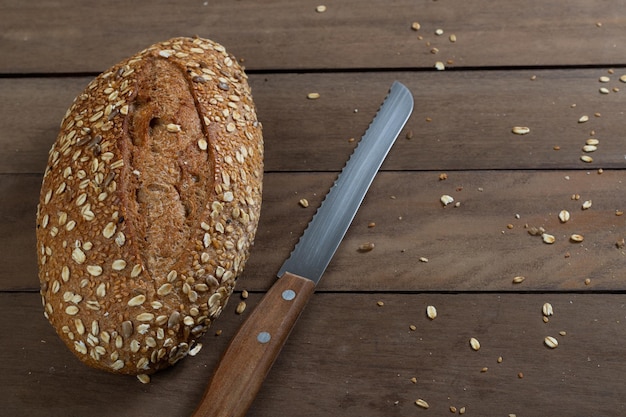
x,y
471,112
349,357
76,37
468,247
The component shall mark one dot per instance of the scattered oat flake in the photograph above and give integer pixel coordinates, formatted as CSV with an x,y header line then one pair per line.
x,y
587,205
583,119
548,238
415,26
366,247
421,403
446,199
576,238
144,378
304,202
440,66
313,96
320,9
547,309
551,342
520,130
380,303
431,312
518,279
474,343
423,259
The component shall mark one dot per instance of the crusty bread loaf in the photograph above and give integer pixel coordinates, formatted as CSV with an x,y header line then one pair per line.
x,y
149,205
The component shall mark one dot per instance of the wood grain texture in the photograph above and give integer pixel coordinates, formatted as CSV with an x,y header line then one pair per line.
x,y
283,34
469,247
461,121
535,64
350,357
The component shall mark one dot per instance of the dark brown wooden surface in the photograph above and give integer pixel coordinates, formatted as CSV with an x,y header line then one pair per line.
x,y
535,64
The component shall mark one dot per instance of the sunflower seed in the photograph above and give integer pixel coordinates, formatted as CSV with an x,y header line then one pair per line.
x,y
551,342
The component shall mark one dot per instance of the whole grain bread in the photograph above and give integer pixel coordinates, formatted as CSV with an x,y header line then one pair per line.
x,y
149,205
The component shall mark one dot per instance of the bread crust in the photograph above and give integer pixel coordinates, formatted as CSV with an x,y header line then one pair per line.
x,y
149,205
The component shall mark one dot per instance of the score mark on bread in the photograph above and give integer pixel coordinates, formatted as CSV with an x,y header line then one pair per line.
x,y
149,205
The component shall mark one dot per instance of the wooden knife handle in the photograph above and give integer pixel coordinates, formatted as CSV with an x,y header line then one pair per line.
x,y
252,351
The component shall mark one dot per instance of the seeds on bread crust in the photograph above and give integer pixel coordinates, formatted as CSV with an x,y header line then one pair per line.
x,y
149,205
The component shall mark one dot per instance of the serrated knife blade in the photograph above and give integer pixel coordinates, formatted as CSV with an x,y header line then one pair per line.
x,y
252,351
322,237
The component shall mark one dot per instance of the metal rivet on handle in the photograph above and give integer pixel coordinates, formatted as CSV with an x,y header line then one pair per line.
x,y
289,295
263,337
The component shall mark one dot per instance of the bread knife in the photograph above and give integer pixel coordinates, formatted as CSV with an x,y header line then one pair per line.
x,y
252,351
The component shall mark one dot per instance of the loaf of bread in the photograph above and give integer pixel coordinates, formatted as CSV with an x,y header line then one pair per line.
x,y
149,205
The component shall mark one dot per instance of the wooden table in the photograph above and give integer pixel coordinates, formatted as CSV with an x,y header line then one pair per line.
x,y
365,346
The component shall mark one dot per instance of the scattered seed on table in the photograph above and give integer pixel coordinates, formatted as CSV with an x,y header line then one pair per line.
x,y
320,9
583,119
313,96
547,309
576,238
604,79
590,148
431,312
564,216
380,303
563,333
474,343
144,378
415,26
587,281
244,294
439,32
620,243
443,176
518,279
446,199
547,238
414,380
592,141
484,369
623,78
423,259
304,202
241,307
366,247
371,225
412,327
520,130
462,410
586,158
551,342
587,205
452,38
499,360
520,375
421,403
452,409
619,212
440,66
